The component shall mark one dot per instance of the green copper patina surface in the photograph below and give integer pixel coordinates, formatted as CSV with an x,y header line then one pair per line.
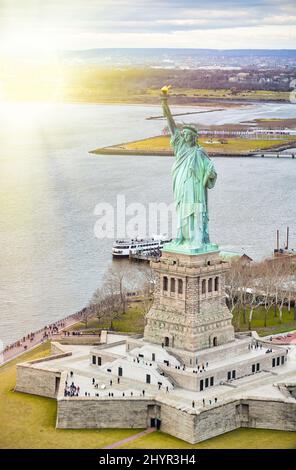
x,y
193,174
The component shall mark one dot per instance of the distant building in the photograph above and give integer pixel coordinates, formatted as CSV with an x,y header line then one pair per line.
x,y
233,256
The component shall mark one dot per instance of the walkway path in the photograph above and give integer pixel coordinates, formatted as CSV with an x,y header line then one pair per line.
x,y
26,343
131,438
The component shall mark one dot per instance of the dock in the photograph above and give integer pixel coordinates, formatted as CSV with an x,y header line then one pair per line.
x,y
146,257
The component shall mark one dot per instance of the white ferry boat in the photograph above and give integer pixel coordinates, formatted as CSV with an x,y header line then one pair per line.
x,y
123,248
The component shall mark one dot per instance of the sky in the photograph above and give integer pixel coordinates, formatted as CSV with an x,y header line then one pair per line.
x,y
44,27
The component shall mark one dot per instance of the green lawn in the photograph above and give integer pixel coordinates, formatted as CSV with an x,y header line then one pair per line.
x,y
225,93
28,421
131,322
273,324
230,145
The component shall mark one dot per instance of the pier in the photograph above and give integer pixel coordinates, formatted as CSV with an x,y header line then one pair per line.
x,y
144,257
275,155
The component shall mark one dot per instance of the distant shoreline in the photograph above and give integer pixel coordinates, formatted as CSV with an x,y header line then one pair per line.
x,y
203,102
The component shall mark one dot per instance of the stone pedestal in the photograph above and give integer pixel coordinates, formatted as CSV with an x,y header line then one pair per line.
x,y
189,312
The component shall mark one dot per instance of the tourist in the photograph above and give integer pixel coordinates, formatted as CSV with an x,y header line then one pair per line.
x,y
111,383
203,402
193,404
216,399
93,381
210,402
118,380
143,393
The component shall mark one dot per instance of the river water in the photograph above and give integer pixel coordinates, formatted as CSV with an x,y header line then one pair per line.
x,y
50,260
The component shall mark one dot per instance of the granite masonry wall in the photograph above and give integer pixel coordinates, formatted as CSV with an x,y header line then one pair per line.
x,y
76,413
270,414
184,423
81,340
37,381
216,420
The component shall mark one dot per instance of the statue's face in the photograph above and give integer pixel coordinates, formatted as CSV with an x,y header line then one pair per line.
x,y
189,136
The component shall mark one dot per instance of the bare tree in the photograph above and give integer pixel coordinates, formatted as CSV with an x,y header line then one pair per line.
x,y
266,287
86,315
110,301
253,295
232,283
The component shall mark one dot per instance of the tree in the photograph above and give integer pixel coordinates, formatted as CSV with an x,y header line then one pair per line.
x,y
266,287
111,299
254,299
86,315
232,285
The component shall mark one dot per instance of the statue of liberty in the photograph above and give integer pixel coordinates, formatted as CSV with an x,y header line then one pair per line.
x,y
193,174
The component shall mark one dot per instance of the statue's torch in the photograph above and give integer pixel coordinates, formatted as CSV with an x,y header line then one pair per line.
x,y
165,92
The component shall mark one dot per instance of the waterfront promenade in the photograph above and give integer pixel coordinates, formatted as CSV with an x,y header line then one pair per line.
x,y
34,339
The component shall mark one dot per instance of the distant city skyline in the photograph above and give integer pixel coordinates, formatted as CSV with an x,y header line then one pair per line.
x,y
46,27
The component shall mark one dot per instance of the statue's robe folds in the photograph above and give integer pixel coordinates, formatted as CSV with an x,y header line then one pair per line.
x,y
193,173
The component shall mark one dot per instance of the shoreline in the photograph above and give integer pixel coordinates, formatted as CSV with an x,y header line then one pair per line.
x,y
21,346
120,150
227,102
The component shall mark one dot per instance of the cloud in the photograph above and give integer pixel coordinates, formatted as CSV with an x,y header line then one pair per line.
x,y
84,23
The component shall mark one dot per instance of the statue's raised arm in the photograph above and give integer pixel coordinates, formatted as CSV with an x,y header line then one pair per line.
x,y
166,110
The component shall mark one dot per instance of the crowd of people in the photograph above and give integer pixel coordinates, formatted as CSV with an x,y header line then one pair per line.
x,y
199,368
71,390
41,335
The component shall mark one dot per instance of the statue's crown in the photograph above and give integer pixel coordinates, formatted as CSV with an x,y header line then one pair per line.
x,y
191,128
